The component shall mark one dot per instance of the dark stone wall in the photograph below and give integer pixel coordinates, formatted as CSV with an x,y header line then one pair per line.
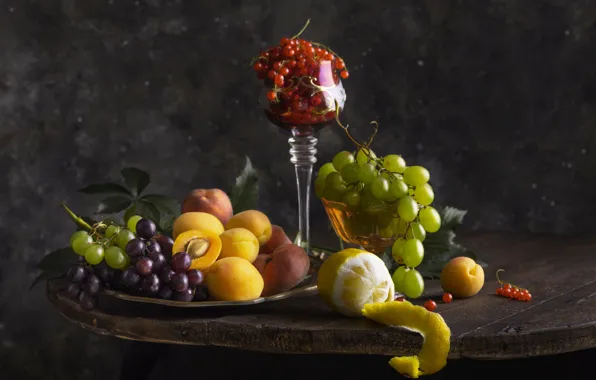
x,y
497,98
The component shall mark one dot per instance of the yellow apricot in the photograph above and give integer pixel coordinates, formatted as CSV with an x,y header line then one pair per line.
x,y
254,221
203,247
199,221
234,279
239,242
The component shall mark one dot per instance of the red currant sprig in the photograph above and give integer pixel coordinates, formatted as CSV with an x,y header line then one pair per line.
x,y
511,291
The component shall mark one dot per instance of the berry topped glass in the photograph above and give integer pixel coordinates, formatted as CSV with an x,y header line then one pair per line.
x,y
302,93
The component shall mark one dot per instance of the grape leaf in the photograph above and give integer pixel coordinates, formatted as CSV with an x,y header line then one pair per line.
x,y
57,261
131,211
112,205
165,204
148,210
136,179
245,192
388,260
42,277
105,188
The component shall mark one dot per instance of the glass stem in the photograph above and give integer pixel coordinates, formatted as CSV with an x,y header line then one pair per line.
x,y
302,153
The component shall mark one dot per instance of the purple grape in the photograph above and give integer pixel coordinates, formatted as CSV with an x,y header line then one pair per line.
x,y
104,272
73,290
181,262
151,284
92,285
179,282
201,294
87,301
166,243
146,229
166,275
195,277
130,277
184,296
159,260
135,248
144,266
76,274
165,293
153,247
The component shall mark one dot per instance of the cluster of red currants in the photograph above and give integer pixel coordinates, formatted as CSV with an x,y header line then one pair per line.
x,y
513,292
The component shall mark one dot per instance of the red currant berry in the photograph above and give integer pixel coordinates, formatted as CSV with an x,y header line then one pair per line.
x,y
271,74
258,66
284,71
499,291
284,41
528,297
271,95
277,65
507,292
447,297
329,57
507,286
288,51
339,64
344,74
279,80
309,51
430,305
315,100
301,64
291,64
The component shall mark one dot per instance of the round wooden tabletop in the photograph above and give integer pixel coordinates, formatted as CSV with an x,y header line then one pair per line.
x,y
559,272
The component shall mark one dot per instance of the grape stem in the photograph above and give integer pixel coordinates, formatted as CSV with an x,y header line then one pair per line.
x,y
503,283
77,219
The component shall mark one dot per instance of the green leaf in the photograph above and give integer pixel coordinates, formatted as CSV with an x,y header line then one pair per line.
x,y
167,225
57,261
131,211
136,179
148,210
388,260
245,192
165,204
43,276
452,217
112,205
105,188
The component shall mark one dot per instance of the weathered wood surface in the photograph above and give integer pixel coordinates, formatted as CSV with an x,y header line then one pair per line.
x,y
559,272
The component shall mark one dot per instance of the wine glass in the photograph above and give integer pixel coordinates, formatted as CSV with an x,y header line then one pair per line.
x,y
304,105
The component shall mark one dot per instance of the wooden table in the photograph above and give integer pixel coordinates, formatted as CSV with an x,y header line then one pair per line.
x,y
559,272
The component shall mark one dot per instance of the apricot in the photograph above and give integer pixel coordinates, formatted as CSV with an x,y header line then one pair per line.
x,y
254,221
261,261
239,242
212,201
203,247
462,277
198,221
286,268
234,279
278,237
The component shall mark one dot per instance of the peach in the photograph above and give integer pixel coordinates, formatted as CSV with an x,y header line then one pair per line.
x,y
286,268
462,277
278,237
239,242
234,279
212,201
254,221
198,221
261,262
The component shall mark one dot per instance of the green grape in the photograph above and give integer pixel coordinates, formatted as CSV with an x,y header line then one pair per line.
x,y
413,253
397,250
325,170
331,194
430,219
386,232
320,184
94,254
400,226
384,219
351,172
123,237
379,187
335,182
398,188
372,205
81,244
367,173
132,222
362,157
394,163
76,235
424,194
342,159
351,198
413,284
116,258
399,277
407,208
416,175
111,230
416,232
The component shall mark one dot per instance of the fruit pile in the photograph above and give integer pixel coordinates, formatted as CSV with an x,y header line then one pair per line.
x,y
302,79
214,255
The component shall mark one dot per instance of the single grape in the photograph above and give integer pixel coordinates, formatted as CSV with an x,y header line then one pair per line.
x,y
123,237
92,285
76,274
146,228
179,282
195,277
184,296
159,260
367,173
320,184
166,274
336,182
165,293
152,246
413,253
73,290
413,284
398,278
397,250
365,155
394,163
331,194
115,258
398,188
132,222
430,219
111,231
325,170
181,262
372,205
77,235
144,266
424,194
379,187
87,301
130,277
94,254
400,226
416,175
416,232
81,244
407,208
166,243
342,159
104,272
150,284
351,172
351,198
201,294
135,248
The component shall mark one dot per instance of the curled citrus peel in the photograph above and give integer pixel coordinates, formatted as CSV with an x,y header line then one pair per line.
x,y
433,355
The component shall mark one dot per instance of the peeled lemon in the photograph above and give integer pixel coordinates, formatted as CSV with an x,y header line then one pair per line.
x,y
352,278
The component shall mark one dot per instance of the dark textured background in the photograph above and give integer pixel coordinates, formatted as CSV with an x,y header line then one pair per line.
x,y
497,98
